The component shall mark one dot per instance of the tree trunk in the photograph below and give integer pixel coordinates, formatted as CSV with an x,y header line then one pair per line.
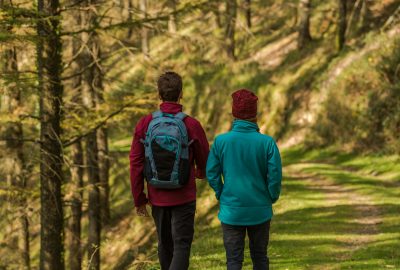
x,y
104,164
94,210
76,181
104,167
215,9
145,30
342,24
304,23
49,69
172,17
127,15
365,14
74,236
102,140
23,240
14,160
248,13
91,84
231,10
125,9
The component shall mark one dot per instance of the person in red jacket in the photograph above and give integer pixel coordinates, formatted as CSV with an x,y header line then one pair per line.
x,y
173,210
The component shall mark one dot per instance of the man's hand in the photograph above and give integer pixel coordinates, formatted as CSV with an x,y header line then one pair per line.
x,y
142,211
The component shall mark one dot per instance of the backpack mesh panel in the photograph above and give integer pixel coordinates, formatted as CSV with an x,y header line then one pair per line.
x,y
164,161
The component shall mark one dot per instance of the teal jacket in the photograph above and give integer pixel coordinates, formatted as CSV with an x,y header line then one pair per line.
x,y
244,169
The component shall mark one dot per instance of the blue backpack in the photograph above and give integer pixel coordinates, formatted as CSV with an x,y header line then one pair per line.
x,y
167,151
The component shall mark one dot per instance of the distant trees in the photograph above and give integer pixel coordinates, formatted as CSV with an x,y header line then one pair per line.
x,y
104,164
358,17
92,83
13,158
74,225
248,12
74,236
230,25
304,13
51,159
342,23
145,30
85,148
75,187
172,18
352,19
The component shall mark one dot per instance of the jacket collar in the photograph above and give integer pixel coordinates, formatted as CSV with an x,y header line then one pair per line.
x,y
244,126
170,107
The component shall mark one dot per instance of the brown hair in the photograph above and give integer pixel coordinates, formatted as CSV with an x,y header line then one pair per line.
x,y
169,86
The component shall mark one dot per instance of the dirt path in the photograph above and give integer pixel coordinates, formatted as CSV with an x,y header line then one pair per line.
x,y
365,215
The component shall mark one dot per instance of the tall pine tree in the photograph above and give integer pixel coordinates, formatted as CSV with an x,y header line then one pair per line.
x,y
49,66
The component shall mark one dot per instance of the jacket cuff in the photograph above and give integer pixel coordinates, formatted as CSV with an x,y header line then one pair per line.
x,y
141,201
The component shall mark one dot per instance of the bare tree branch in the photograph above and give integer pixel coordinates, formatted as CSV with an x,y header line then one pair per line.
x,y
137,23
99,125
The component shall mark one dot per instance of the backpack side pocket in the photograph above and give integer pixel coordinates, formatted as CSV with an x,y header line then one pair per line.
x,y
184,171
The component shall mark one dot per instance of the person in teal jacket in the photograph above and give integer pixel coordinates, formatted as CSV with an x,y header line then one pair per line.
x,y
244,169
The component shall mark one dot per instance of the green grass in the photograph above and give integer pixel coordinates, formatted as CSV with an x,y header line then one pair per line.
x,y
337,211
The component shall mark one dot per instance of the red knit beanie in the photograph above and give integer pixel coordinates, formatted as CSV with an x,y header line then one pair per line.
x,y
244,104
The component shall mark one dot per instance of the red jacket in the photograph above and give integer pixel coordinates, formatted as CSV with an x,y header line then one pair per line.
x,y
198,153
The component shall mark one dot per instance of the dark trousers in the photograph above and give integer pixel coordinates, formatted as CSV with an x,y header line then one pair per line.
x,y
175,229
258,242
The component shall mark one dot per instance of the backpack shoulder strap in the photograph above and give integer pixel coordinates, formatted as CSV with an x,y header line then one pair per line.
x,y
180,115
157,114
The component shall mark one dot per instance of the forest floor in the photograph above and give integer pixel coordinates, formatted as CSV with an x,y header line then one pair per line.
x,y
336,211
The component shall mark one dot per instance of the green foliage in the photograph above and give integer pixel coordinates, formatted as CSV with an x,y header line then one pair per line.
x,y
363,105
386,104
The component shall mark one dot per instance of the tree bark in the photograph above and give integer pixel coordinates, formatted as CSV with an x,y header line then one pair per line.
x,y
51,160
231,11
342,24
248,13
304,23
92,84
145,30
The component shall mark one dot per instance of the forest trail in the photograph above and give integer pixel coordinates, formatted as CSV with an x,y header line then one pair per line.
x,y
364,218
337,211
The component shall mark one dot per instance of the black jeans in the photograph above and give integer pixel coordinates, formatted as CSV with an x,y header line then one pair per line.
x,y
234,245
175,229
